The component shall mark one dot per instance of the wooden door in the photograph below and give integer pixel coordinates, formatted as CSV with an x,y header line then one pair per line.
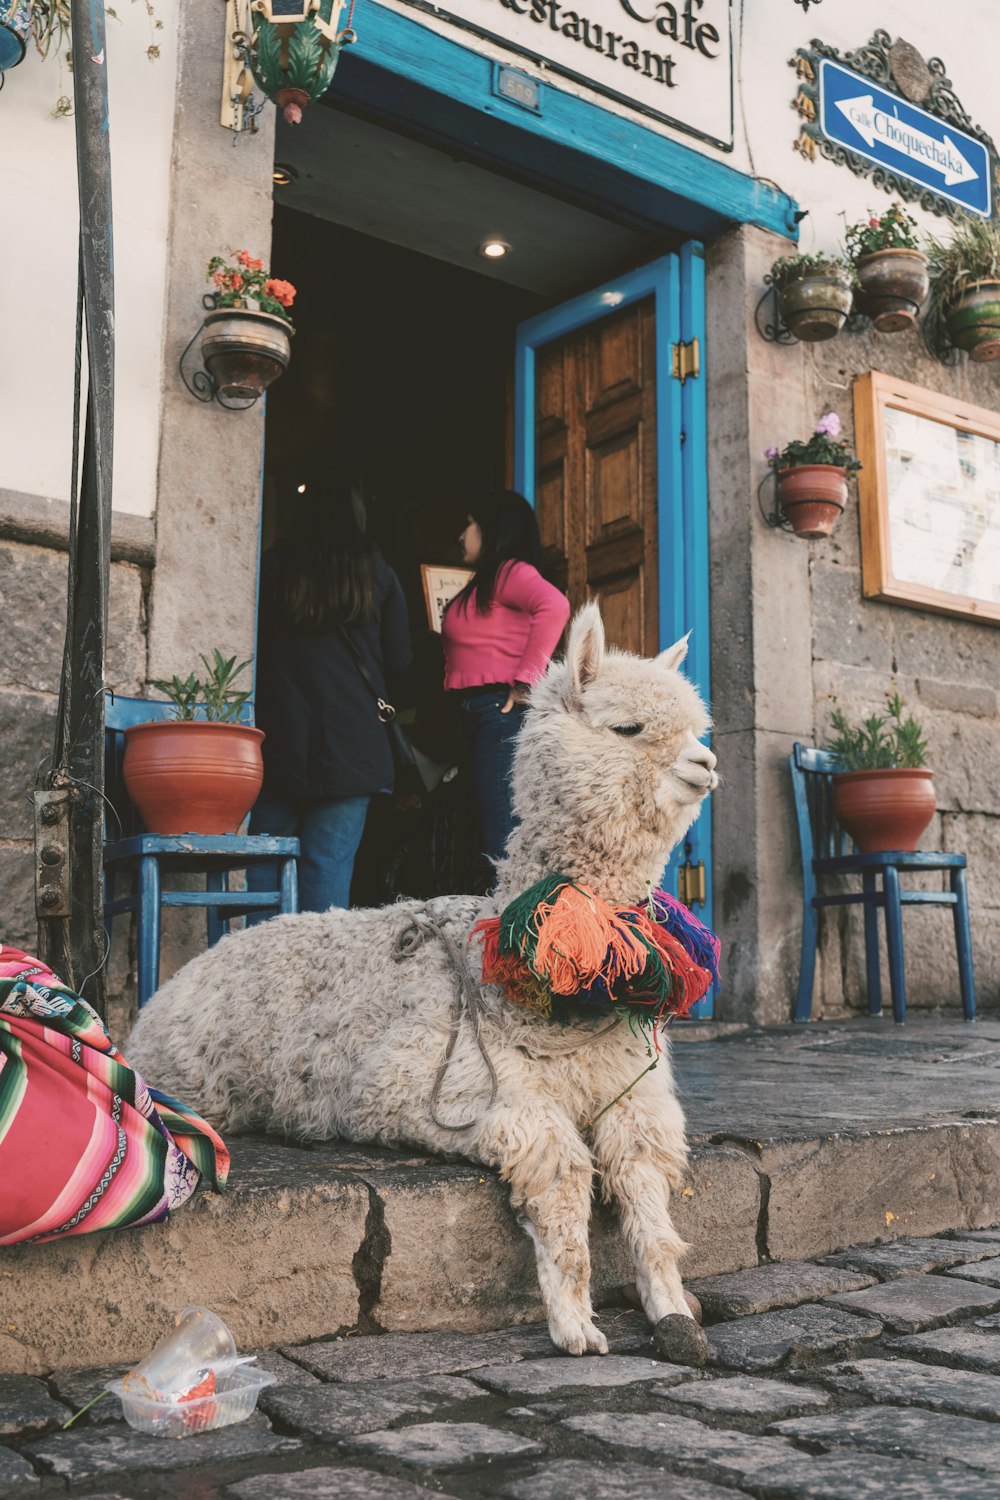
x,y
596,479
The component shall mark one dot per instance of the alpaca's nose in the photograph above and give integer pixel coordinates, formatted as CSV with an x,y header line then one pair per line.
x,y
696,765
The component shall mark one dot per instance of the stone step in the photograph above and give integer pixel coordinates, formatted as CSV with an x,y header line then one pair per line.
x,y
309,1242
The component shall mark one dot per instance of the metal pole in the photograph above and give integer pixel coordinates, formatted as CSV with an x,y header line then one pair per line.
x,y
69,813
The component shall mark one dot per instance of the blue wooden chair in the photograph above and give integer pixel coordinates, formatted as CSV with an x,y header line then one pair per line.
x,y
827,850
147,857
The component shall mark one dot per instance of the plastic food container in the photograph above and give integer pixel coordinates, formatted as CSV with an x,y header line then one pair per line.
x,y
233,1400
198,1342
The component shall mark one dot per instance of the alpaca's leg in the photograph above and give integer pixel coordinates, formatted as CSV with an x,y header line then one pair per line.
x,y
550,1173
641,1152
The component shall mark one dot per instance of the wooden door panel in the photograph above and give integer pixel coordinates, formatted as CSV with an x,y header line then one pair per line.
x,y
613,488
622,611
596,480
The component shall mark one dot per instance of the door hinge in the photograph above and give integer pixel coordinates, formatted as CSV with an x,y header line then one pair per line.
x,y
691,883
686,360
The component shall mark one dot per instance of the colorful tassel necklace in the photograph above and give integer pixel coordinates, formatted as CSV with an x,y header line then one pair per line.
x,y
567,955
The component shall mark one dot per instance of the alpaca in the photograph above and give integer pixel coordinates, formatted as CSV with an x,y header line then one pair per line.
x,y
337,1023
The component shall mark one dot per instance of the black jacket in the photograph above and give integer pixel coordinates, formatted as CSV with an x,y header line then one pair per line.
x,y
323,735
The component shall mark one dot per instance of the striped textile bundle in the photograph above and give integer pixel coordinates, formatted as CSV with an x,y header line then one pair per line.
x,y
567,955
84,1144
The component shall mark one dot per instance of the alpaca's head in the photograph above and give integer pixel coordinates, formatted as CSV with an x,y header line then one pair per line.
x,y
609,772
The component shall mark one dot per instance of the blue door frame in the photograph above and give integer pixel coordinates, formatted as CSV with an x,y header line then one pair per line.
x,y
403,74
677,285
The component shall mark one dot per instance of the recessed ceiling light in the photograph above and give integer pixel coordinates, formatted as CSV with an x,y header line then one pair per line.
x,y
283,175
494,249
302,489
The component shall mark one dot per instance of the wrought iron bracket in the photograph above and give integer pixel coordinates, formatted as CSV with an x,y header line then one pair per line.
x,y
769,325
773,331
773,518
198,380
938,344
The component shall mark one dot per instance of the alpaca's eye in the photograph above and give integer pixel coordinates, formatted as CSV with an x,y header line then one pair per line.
x,y
627,730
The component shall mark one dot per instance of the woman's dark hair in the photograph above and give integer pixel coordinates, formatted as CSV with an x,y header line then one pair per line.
x,y
326,560
510,534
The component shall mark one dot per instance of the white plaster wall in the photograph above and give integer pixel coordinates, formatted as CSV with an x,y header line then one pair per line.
x,y
39,217
766,34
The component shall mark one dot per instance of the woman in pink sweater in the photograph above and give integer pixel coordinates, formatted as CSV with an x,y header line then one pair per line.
x,y
498,636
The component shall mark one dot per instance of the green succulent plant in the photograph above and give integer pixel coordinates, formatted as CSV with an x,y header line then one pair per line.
x,y
213,696
881,742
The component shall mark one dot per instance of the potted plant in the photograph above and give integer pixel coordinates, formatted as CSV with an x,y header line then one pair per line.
x,y
892,270
812,478
15,24
884,797
201,771
246,338
965,288
815,293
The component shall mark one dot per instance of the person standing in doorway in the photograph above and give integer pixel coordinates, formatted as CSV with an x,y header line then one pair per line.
x,y
498,636
326,753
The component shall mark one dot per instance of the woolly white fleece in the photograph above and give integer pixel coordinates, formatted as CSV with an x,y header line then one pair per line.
x,y
335,1023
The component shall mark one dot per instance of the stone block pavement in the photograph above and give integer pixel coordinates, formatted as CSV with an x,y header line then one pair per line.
x,y
871,1372
804,1140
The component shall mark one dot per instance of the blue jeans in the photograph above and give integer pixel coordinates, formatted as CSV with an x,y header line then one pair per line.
x,y
493,736
329,833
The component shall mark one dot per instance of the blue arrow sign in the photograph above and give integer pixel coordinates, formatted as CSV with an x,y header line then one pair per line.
x,y
856,113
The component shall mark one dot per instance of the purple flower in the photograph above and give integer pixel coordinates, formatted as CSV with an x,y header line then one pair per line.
x,y
828,426
770,453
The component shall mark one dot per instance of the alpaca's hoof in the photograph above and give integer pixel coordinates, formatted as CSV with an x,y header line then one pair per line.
x,y
680,1340
695,1306
585,1339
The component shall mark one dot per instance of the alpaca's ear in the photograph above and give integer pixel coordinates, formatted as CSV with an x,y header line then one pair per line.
x,y
585,651
675,654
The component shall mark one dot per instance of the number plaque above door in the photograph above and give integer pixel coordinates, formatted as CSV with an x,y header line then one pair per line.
x,y
673,61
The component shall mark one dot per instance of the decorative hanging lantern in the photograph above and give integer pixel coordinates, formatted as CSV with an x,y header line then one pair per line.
x,y
295,50
15,26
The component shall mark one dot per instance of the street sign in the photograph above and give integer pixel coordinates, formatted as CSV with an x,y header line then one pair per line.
x,y
910,142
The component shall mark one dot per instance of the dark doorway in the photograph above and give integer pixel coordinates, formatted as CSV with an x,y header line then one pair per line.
x,y
400,372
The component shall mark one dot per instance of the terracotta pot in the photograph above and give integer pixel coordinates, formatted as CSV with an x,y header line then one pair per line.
x,y
813,497
815,307
244,351
190,776
884,810
973,319
894,287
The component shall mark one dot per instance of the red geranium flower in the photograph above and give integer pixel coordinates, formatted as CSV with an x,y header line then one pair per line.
x,y
281,291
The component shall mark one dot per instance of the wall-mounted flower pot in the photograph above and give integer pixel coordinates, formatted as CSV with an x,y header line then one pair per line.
x,y
244,351
812,497
973,319
883,810
192,776
15,28
815,307
894,287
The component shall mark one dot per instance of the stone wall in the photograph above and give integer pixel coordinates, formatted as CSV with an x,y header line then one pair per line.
x,y
33,563
791,631
948,670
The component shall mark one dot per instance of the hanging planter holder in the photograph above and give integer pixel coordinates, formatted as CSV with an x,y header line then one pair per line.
x,y
815,307
15,28
894,288
295,50
973,319
812,498
244,351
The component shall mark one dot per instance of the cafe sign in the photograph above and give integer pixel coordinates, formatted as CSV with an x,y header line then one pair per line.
x,y
672,59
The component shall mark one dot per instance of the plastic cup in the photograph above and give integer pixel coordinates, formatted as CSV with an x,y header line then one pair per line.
x,y
200,1341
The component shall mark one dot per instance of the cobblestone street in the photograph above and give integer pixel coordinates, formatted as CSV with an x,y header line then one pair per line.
x,y
871,1372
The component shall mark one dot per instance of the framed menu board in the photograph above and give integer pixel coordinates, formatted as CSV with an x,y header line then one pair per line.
x,y
929,492
441,584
